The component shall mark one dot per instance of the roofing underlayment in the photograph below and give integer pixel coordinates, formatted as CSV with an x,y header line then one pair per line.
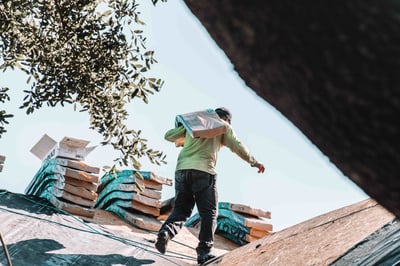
x,y
36,233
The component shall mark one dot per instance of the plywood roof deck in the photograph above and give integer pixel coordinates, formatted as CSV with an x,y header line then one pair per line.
x,y
318,241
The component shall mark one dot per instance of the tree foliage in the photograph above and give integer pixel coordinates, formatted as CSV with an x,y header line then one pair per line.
x,y
91,54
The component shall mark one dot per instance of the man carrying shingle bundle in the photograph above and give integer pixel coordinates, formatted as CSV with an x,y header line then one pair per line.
x,y
195,182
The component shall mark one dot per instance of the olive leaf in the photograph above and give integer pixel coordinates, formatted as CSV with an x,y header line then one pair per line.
x,y
91,54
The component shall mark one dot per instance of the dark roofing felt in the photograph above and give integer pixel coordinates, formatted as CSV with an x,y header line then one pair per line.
x,y
380,248
37,234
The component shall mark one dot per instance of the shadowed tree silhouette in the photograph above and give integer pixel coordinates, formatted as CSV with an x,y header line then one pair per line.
x,y
332,68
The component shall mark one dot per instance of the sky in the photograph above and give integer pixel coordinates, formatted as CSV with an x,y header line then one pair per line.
x,y
299,183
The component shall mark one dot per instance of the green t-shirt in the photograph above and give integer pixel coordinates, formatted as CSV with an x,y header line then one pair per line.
x,y
201,153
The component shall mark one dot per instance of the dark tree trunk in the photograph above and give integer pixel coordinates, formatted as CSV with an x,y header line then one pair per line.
x,y
332,68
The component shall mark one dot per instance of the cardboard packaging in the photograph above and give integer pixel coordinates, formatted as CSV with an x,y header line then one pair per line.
x,y
70,148
202,124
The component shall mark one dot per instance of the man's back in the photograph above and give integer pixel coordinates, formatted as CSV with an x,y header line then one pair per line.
x,y
196,153
202,153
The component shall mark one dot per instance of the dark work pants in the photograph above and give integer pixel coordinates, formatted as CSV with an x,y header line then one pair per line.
x,y
194,187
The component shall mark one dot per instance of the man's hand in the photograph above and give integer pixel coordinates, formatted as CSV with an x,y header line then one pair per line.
x,y
260,167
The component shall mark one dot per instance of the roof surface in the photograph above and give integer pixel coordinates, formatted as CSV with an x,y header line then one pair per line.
x,y
318,241
36,233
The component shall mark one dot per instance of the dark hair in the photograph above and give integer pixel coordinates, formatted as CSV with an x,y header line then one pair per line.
x,y
223,112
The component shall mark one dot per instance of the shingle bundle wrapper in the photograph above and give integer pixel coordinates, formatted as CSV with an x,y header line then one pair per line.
x,y
68,184
238,223
135,196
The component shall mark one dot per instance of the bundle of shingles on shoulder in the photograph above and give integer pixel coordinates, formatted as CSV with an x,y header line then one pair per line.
x,y
239,223
64,179
135,196
2,160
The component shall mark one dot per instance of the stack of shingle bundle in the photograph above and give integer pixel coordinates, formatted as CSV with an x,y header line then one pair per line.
x,y
69,185
2,160
64,178
135,196
239,223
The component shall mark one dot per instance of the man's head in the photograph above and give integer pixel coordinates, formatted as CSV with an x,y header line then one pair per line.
x,y
224,114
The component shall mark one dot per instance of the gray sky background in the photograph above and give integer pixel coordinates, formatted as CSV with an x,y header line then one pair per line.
x,y
299,183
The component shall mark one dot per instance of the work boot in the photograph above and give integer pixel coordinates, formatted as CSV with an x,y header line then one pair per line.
x,y
162,241
204,255
204,258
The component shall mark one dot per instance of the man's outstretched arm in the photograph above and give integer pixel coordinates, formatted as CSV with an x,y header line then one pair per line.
x,y
232,142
